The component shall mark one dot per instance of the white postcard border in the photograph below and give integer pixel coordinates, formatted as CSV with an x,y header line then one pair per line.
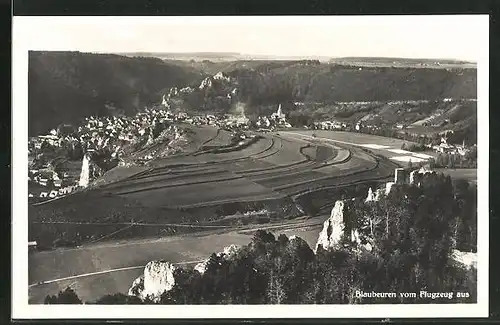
x,y
24,36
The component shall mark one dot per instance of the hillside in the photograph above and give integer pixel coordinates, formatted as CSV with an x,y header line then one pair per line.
x,y
310,88
309,81
403,62
67,86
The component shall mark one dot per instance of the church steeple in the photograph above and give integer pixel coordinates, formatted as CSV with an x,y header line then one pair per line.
x,y
279,113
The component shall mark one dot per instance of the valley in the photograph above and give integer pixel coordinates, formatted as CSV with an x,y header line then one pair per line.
x,y
174,160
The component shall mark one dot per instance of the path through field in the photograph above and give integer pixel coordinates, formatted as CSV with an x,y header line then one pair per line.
x,y
99,269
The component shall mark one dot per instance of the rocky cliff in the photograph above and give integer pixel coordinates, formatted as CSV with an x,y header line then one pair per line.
x,y
333,228
467,259
341,221
157,279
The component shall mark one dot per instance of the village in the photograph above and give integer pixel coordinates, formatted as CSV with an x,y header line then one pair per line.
x,y
106,137
104,140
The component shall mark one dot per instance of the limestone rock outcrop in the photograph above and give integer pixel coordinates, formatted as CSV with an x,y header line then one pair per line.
x,y
469,260
333,227
388,187
157,279
201,267
227,253
221,76
416,175
137,287
374,196
205,83
371,196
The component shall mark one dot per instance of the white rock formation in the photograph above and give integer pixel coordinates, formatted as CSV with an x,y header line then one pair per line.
x,y
157,279
469,260
85,173
137,286
221,76
186,90
388,187
355,238
206,83
379,193
371,196
201,267
227,253
231,250
164,101
333,227
418,173
173,92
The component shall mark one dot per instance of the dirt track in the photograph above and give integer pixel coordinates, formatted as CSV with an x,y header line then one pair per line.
x,y
99,269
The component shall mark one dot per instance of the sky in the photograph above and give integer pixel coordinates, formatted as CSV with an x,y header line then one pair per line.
x,y
455,37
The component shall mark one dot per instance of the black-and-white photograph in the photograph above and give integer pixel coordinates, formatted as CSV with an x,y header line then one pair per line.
x,y
253,161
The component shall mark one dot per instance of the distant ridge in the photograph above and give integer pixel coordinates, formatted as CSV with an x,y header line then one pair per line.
x,y
222,56
404,62
208,54
383,59
225,56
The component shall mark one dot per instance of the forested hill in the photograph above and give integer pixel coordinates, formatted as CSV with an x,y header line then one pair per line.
x,y
309,82
67,86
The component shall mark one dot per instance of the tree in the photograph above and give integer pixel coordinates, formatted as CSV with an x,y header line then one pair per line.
x,y
275,290
282,240
262,236
411,234
68,296
114,299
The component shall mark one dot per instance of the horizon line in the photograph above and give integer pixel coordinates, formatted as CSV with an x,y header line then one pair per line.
x,y
264,56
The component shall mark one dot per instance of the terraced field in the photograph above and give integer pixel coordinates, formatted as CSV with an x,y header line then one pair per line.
x,y
267,167
387,147
270,167
197,191
200,189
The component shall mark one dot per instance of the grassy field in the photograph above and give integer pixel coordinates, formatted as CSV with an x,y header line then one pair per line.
x,y
209,192
387,147
115,255
353,137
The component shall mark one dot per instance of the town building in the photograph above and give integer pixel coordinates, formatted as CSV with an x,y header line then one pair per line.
x,y
399,176
32,245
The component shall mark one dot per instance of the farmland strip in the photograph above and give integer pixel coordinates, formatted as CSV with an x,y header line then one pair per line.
x,y
178,185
